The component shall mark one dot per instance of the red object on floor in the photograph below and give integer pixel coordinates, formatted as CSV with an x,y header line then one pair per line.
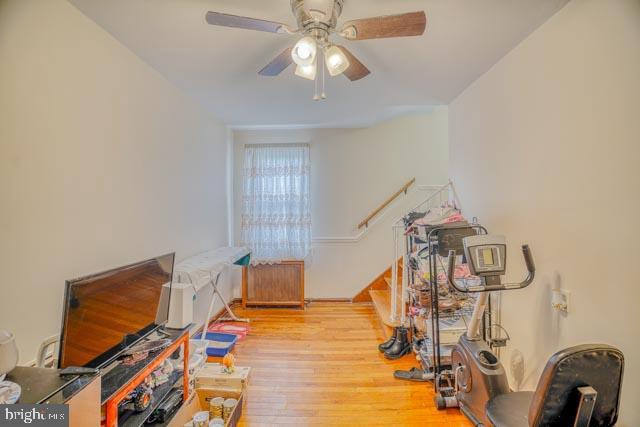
x,y
240,330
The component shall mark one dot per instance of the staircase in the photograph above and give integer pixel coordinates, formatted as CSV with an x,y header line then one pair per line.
x,y
382,302
378,292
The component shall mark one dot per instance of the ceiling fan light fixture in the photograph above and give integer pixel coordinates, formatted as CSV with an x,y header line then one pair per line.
x,y
336,60
307,71
304,52
317,23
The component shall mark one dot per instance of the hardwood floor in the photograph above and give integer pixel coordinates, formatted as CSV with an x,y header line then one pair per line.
x,y
322,366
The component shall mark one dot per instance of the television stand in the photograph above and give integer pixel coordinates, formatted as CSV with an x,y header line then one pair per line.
x,y
162,333
119,380
129,339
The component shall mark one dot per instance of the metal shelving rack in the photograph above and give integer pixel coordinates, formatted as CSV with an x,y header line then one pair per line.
x,y
432,353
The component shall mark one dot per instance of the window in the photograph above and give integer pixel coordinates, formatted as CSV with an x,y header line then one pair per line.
x,y
276,213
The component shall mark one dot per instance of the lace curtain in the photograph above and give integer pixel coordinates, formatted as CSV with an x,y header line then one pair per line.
x,y
276,212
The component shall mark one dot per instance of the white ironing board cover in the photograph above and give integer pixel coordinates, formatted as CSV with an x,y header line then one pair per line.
x,y
201,269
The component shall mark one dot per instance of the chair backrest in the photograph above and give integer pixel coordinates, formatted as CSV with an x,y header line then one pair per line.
x,y
556,398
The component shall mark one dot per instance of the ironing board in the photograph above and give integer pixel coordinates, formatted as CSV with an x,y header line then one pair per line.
x,y
206,269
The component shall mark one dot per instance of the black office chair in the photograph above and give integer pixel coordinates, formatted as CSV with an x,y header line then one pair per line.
x,y
580,386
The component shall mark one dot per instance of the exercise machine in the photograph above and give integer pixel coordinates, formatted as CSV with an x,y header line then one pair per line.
x,y
580,386
478,374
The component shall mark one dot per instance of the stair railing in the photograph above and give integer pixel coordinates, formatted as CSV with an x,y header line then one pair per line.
x,y
376,211
386,210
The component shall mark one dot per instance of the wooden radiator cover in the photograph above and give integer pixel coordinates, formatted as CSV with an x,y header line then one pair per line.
x,y
279,284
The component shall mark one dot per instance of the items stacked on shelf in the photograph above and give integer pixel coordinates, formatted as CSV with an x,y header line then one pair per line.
x,y
218,396
437,314
131,392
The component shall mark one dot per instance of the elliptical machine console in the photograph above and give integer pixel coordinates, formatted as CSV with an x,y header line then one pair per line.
x,y
479,375
486,255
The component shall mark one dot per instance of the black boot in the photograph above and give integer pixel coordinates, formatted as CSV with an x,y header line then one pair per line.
x,y
388,343
400,346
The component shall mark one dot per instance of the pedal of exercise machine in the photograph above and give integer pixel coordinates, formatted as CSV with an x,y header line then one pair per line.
x,y
445,392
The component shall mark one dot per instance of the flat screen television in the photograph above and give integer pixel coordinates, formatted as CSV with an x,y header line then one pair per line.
x,y
108,312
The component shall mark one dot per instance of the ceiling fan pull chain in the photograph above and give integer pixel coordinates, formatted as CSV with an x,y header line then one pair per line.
x,y
323,95
316,97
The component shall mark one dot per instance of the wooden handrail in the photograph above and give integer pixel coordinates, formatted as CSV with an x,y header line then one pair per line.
x,y
365,222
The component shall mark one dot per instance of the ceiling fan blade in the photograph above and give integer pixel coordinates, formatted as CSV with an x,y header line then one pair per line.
x,y
278,65
356,69
226,20
403,25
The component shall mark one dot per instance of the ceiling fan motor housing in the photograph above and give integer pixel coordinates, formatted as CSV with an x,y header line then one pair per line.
x,y
317,17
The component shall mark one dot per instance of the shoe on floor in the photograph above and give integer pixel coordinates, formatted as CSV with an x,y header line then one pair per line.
x,y
397,355
388,343
413,374
400,346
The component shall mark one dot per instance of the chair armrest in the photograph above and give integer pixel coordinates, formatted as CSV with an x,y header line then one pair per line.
x,y
588,396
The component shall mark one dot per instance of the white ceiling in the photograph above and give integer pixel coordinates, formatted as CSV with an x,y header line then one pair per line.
x,y
218,66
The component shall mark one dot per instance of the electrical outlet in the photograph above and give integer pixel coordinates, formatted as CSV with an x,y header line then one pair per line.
x,y
516,365
560,300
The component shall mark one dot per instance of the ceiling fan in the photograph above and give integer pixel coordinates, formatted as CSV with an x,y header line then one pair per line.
x,y
316,21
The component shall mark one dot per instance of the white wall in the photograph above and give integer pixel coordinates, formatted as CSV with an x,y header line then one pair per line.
x,y
545,149
102,163
352,172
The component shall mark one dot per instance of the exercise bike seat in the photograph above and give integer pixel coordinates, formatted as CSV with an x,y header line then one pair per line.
x,y
555,401
510,409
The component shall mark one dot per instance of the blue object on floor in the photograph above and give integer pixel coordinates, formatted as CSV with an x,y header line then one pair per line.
x,y
229,340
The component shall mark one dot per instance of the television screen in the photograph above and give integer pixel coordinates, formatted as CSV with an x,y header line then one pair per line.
x,y
107,312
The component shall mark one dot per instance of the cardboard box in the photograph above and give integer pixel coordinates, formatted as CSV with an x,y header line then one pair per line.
x,y
211,375
199,401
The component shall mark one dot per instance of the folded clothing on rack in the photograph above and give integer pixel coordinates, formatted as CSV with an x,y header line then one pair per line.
x,y
461,271
434,216
439,216
421,227
412,216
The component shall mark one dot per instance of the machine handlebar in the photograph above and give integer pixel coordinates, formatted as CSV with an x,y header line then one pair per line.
x,y
531,272
528,259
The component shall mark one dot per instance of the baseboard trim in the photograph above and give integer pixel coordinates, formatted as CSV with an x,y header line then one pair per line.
x,y
344,300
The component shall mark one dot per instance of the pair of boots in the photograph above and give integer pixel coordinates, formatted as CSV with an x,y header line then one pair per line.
x,y
396,346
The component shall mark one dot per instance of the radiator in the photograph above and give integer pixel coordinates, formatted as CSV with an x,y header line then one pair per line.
x,y
280,284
